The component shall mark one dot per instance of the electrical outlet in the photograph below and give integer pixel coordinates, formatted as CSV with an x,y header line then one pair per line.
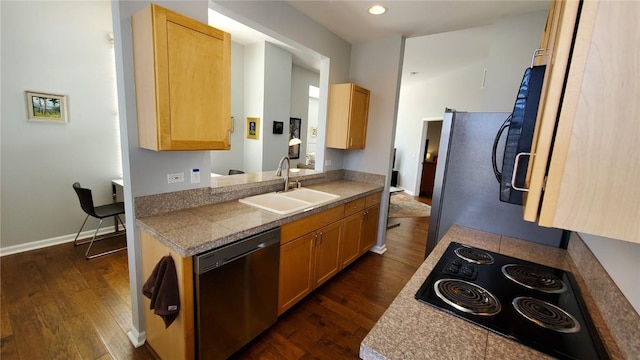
x,y
327,162
175,178
195,176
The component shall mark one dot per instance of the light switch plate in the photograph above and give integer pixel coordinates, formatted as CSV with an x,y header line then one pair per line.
x,y
195,176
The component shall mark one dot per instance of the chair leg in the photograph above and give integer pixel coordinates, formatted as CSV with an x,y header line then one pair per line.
x,y
89,257
75,241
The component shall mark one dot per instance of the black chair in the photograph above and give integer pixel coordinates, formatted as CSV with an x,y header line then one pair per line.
x,y
98,212
234,172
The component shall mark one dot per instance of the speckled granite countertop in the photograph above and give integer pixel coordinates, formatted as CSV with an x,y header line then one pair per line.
x,y
198,229
413,330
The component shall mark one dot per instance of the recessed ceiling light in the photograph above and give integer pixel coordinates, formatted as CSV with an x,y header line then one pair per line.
x,y
377,10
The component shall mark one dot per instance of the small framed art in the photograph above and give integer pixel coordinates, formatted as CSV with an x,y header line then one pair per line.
x,y
253,128
46,107
278,127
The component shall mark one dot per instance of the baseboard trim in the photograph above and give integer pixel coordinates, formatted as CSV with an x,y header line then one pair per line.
x,y
136,337
39,244
379,249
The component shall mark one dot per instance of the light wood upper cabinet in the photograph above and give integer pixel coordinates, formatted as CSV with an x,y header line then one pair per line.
x,y
348,115
585,146
183,82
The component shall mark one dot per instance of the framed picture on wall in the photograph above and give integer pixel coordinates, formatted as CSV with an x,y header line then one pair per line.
x,y
278,127
294,138
46,107
253,128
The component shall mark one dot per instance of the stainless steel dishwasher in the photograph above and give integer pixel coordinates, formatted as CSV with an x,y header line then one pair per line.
x,y
236,294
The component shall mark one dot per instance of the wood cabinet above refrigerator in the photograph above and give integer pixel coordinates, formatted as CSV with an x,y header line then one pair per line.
x,y
348,115
183,82
585,168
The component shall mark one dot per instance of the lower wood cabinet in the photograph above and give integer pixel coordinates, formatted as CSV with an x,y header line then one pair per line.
x,y
178,340
315,248
296,271
306,263
369,228
360,234
352,233
327,251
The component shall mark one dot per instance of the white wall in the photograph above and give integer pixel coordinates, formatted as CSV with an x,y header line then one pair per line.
x,y
145,172
620,260
65,51
254,73
513,41
223,161
301,78
302,32
376,66
504,49
277,104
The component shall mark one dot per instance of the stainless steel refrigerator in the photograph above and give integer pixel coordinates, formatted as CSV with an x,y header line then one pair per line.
x,y
466,191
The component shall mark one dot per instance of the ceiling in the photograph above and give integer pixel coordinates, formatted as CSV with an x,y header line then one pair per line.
x,y
350,20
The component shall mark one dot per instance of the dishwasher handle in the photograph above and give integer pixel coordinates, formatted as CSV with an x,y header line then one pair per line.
x,y
260,246
215,258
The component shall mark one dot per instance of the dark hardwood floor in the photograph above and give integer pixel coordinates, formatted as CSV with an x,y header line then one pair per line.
x,y
56,305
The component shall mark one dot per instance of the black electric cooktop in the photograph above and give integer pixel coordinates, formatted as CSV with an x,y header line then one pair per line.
x,y
535,305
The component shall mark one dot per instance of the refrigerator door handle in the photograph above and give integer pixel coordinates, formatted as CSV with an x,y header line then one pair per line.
x,y
515,172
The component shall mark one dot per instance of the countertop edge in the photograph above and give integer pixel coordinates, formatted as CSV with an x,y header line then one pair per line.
x,y
385,341
356,190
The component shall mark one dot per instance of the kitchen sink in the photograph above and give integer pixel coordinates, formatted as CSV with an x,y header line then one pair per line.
x,y
312,196
285,203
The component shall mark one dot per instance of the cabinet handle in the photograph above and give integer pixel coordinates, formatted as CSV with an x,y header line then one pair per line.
x,y
515,172
319,238
538,53
351,141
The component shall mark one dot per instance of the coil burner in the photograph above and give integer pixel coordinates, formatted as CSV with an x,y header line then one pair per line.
x,y
546,315
533,304
474,255
534,278
467,297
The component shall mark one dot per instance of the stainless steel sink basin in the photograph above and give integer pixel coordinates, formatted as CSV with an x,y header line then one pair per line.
x,y
289,202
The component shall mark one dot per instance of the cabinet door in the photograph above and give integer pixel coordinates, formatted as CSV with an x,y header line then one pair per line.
x,y
370,228
183,82
347,117
359,115
296,271
327,250
563,16
351,235
592,183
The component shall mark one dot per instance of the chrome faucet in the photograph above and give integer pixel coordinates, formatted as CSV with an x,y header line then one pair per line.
x,y
286,176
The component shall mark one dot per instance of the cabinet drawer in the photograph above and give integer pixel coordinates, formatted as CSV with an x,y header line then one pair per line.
x,y
372,199
310,223
354,206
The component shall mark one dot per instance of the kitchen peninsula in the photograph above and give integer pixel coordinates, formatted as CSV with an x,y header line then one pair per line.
x,y
410,329
188,223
